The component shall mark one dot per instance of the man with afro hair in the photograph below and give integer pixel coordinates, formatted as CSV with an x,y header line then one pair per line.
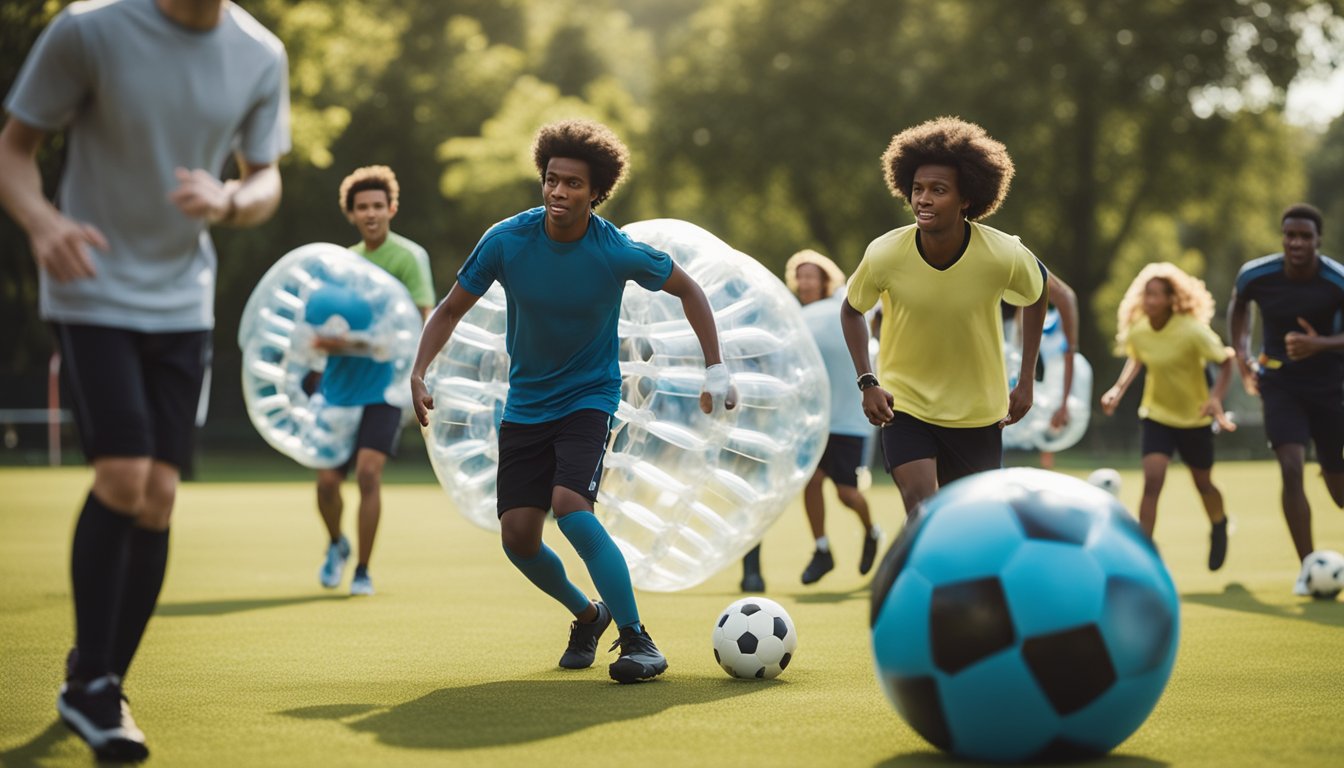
x,y
1300,370
940,394
564,269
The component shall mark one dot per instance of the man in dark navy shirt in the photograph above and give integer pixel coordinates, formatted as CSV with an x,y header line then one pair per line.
x,y
1299,374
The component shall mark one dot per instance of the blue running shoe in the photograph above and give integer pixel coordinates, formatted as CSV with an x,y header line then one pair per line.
x,y
361,585
583,639
640,659
333,568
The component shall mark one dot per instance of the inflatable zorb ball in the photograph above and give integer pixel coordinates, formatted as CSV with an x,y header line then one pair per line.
x,y
320,290
1023,615
684,493
1033,432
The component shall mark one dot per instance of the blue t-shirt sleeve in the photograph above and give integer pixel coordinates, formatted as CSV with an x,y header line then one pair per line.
x,y
55,78
646,265
481,269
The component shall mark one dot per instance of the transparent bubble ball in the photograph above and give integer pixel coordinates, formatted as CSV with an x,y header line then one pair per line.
x,y
349,296
1033,432
683,493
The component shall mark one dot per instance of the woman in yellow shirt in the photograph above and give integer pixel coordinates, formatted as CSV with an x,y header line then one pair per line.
x,y
1163,325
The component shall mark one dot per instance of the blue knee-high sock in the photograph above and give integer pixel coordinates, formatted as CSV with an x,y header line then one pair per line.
x,y
605,564
546,571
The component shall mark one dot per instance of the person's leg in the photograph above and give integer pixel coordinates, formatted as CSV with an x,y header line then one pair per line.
x,y
1289,427
147,563
1327,431
909,451
369,475
1296,508
330,505
814,504
1154,477
752,580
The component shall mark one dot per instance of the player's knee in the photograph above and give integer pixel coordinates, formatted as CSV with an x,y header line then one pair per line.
x,y
519,539
122,484
369,478
565,500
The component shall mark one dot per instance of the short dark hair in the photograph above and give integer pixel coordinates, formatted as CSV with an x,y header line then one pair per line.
x,y
984,169
585,140
1305,211
366,178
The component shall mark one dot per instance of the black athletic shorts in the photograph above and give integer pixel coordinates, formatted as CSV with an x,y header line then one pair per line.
x,y
1194,444
958,451
134,394
842,458
379,430
1301,415
536,458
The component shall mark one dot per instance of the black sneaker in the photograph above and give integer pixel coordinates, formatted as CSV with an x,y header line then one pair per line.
x,y
870,542
640,659
752,582
1218,545
822,564
583,640
100,715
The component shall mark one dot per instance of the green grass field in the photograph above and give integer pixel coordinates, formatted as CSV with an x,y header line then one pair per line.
x,y
249,662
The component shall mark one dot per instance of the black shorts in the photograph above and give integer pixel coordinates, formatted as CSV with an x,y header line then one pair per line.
x,y
536,458
958,451
379,430
134,394
1194,444
1301,415
842,458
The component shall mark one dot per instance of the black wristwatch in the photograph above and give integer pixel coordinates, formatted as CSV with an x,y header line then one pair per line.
x,y
867,380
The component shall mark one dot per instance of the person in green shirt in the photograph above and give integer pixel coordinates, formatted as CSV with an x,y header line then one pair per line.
x,y
369,198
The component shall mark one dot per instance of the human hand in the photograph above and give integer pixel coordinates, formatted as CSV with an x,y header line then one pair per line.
x,y
718,389
1302,345
1110,400
202,196
1019,402
60,248
1061,418
1214,407
877,406
421,400
1250,377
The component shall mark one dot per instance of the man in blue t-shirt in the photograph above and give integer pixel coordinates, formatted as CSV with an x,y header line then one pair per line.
x,y
564,270
1299,374
817,281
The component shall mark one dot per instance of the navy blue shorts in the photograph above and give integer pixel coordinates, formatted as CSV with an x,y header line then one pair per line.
x,y
958,451
842,458
379,430
1194,444
134,394
534,459
1296,415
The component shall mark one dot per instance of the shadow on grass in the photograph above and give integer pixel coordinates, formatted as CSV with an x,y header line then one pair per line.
x,y
944,760
1235,597
221,607
517,711
39,748
814,597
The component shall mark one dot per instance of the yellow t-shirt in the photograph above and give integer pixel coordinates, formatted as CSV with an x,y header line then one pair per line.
x,y
1175,387
941,355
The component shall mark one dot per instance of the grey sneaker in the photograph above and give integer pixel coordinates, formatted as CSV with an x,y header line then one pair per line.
x,y
640,659
333,567
98,713
361,585
822,564
582,650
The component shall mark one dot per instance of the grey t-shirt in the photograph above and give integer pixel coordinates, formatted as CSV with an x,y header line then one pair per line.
x,y
141,96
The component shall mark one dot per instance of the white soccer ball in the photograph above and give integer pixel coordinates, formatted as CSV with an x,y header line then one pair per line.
x,y
754,639
1323,573
1106,479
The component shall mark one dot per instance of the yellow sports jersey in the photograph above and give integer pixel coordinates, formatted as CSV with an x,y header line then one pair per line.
x,y
941,355
1175,387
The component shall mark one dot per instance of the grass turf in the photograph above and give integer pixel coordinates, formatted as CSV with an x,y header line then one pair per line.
x,y
249,662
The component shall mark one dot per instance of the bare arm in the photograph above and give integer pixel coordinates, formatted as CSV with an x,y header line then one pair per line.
x,y
1066,301
701,317
243,202
1214,406
1020,399
877,401
1239,327
1111,398
438,329
60,245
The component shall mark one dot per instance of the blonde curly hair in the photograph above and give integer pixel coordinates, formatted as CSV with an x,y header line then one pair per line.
x,y
1190,297
366,178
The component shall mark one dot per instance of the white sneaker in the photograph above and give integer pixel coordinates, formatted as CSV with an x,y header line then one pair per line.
x,y
361,585
1300,588
333,567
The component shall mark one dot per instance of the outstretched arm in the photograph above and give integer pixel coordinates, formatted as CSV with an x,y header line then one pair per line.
x,y
718,384
438,329
1066,301
1214,406
1020,399
1112,396
1239,326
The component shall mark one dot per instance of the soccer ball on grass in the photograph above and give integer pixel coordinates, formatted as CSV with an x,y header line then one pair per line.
x,y
754,639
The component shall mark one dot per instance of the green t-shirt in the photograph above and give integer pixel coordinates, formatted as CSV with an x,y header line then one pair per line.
x,y
406,261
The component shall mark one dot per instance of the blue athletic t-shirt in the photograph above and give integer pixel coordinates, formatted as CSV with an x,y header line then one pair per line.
x,y
1319,301
564,303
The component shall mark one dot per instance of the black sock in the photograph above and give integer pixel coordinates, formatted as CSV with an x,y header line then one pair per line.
x,y
97,570
751,562
146,562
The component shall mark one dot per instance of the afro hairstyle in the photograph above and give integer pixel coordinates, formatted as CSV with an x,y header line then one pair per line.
x,y
984,169
585,140
366,178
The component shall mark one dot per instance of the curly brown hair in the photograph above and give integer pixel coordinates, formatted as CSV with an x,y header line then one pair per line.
x,y
1305,211
585,140
366,178
984,169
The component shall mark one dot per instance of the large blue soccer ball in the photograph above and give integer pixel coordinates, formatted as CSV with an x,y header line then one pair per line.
x,y
1023,615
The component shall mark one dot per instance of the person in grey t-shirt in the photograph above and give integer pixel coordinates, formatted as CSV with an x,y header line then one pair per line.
x,y
153,96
